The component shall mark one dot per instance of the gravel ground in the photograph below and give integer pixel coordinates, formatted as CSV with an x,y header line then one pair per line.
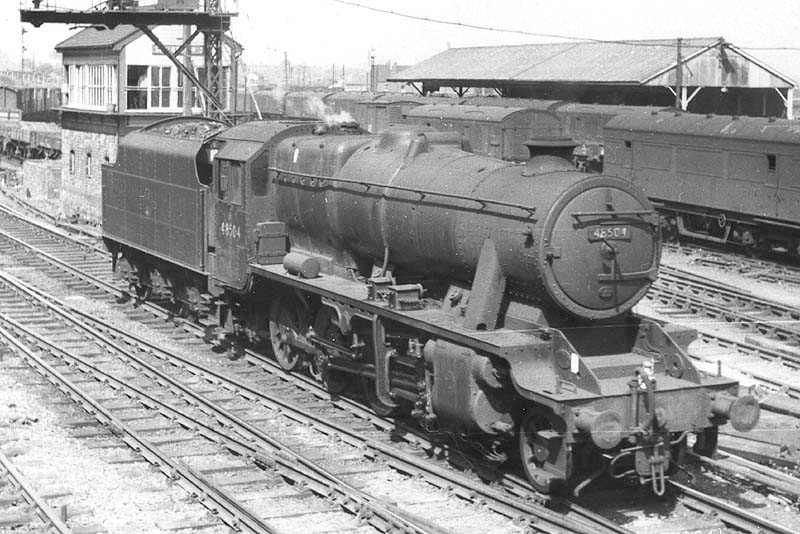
x,y
121,498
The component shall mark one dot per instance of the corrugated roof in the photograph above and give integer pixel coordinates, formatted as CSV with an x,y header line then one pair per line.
x,y
629,62
94,38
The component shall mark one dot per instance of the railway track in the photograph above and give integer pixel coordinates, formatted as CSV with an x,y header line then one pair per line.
x,y
732,516
767,330
761,451
723,302
253,377
753,268
571,518
200,418
740,468
22,508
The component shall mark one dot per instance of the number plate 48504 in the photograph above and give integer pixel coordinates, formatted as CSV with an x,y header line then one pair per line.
x,y
610,233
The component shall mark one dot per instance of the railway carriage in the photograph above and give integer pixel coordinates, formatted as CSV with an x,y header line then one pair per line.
x,y
726,180
498,132
491,299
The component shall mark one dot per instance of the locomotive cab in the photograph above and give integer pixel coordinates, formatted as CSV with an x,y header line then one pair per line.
x,y
241,208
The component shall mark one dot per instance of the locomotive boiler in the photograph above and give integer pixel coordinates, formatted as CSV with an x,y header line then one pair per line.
x,y
487,298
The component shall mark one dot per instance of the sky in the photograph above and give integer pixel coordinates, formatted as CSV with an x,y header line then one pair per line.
x,y
322,32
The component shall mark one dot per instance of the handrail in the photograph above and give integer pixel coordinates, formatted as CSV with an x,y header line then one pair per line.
x,y
421,192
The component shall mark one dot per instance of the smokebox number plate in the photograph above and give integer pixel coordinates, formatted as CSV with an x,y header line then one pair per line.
x,y
608,233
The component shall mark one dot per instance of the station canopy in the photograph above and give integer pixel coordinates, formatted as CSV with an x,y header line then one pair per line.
x,y
707,62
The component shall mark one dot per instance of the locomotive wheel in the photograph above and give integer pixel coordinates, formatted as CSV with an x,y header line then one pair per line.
x,y
284,324
538,450
326,326
335,381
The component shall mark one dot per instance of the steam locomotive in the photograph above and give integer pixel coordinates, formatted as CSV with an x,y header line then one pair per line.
x,y
488,298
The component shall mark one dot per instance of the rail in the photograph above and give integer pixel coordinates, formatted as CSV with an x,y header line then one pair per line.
x,y
730,515
43,510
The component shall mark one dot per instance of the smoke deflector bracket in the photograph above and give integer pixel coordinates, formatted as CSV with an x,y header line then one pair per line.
x,y
488,289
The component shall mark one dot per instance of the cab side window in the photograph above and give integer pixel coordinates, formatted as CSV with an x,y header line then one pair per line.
x,y
230,182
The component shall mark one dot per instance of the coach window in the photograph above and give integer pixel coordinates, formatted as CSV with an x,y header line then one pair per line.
x,y
230,181
771,162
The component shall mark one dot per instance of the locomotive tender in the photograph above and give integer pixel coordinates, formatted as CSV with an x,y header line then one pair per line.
x,y
489,298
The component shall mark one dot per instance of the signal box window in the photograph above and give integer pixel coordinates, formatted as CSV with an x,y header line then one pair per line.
x,y
159,87
771,162
230,182
136,87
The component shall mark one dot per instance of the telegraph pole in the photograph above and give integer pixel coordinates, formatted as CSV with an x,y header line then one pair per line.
x,y
679,78
22,54
286,71
187,84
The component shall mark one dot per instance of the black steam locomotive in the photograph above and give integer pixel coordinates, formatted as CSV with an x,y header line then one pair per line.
x,y
490,298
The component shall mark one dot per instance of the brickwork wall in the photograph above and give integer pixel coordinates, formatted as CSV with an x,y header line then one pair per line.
x,y
83,153
41,184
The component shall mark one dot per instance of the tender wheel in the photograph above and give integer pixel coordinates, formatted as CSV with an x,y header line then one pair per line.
x,y
141,288
542,452
284,324
189,300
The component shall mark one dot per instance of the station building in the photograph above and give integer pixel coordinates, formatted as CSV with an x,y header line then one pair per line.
x,y
716,76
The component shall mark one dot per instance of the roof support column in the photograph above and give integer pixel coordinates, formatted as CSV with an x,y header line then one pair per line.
x,y
685,100
787,101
